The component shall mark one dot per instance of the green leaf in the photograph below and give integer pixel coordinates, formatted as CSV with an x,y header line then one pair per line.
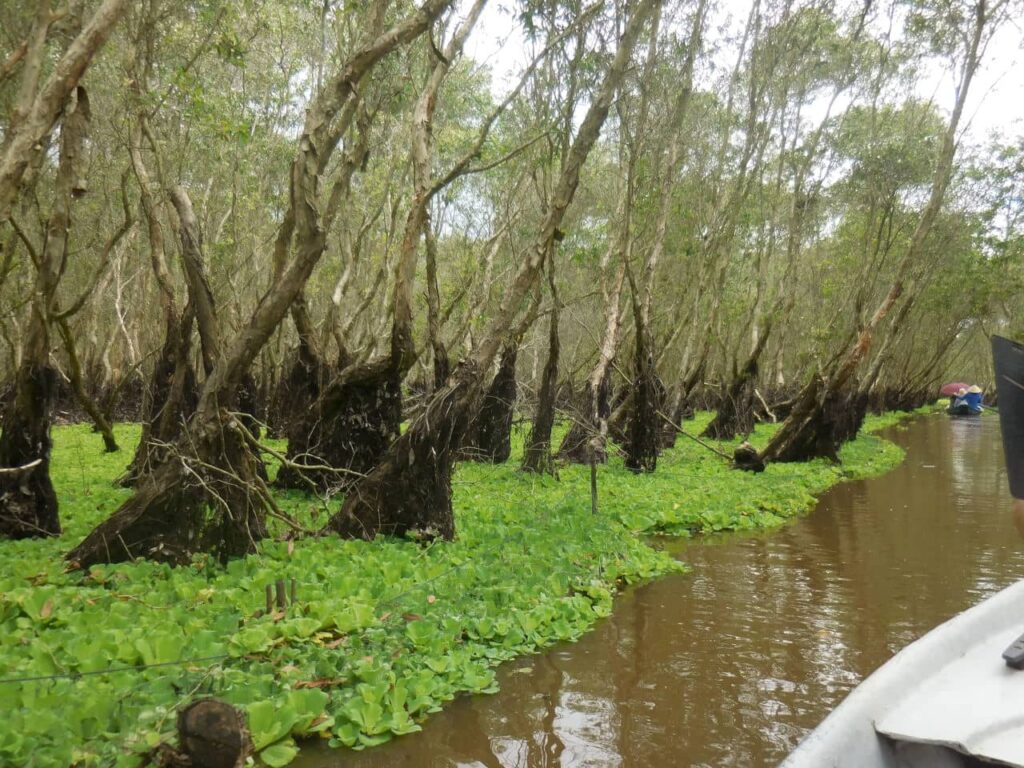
x,y
265,725
279,754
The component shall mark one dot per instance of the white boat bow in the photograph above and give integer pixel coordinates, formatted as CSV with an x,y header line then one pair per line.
x,y
946,700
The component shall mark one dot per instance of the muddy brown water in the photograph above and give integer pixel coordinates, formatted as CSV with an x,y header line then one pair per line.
x,y
734,662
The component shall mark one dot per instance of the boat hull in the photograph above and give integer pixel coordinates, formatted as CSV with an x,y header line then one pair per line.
x,y
848,738
962,410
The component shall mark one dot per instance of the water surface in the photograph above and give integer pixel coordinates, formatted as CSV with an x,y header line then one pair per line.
x,y
731,664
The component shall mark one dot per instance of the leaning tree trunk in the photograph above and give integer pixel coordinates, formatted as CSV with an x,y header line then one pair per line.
x,y
411,488
209,495
28,502
200,501
491,434
358,416
100,422
40,107
410,491
827,411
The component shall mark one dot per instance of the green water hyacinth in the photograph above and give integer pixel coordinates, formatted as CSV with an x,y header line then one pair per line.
x,y
382,634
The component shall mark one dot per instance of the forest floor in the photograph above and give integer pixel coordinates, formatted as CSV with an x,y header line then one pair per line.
x,y
94,665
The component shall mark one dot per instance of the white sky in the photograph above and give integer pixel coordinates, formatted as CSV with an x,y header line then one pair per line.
x,y
995,104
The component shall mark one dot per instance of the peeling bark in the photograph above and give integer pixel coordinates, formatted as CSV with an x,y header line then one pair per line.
x,y
25,141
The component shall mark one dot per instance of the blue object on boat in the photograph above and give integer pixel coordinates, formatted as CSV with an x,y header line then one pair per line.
x,y
966,404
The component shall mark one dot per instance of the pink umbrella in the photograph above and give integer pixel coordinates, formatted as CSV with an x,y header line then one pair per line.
x,y
952,388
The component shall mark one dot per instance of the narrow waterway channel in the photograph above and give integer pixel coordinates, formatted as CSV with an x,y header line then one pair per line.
x,y
731,664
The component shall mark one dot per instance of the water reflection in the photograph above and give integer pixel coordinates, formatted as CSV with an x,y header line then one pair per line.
x,y
732,664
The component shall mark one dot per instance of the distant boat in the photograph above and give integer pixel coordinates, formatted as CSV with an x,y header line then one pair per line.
x,y
954,698
965,402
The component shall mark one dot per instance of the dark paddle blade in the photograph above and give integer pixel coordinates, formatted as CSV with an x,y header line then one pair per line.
x,y
1008,357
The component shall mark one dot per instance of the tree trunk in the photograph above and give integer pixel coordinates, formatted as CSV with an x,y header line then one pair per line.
x,y
172,393
537,453
209,495
171,398
827,410
27,135
202,501
643,437
100,422
585,442
736,413
491,439
28,503
409,492
411,488
346,430
439,354
359,416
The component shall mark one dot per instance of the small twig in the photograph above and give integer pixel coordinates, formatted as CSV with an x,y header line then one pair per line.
x,y
767,409
23,468
695,439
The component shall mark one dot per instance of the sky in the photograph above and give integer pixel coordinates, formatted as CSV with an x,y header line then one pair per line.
x,y
995,103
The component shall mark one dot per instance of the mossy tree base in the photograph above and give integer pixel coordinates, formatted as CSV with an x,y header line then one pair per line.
x,y
491,434
410,491
345,433
204,497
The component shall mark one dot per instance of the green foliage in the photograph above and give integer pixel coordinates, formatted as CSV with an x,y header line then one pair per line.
x,y
384,632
